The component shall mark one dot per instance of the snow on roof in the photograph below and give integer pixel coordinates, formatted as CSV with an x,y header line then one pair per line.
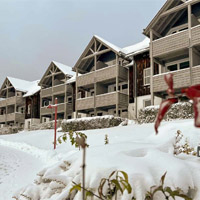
x,y
29,87
19,84
114,47
34,88
136,48
72,79
64,68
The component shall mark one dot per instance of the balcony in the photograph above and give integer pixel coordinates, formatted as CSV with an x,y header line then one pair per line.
x,y
61,108
12,101
100,75
2,118
85,79
59,89
103,100
107,99
181,79
46,92
196,35
171,43
86,103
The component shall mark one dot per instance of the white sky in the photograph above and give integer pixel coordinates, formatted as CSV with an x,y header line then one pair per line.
x,y
35,32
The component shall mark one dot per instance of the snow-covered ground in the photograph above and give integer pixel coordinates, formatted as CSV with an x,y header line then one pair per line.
x,y
134,149
17,169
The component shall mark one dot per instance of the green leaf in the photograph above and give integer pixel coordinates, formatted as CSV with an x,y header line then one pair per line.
x,y
163,178
127,186
117,184
111,174
75,187
125,175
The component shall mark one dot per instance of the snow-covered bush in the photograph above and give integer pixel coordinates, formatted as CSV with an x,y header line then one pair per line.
x,y
9,130
46,125
88,123
182,110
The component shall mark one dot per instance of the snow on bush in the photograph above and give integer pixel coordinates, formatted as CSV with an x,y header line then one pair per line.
x,y
182,110
9,130
88,123
45,126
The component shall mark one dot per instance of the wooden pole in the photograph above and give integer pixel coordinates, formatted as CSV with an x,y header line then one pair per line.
x,y
152,67
117,85
190,41
76,111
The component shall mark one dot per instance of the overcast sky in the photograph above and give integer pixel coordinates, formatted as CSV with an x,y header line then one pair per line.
x,y
35,32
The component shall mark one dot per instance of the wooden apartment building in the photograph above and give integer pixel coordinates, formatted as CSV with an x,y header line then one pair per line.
x,y
56,83
175,45
13,101
102,86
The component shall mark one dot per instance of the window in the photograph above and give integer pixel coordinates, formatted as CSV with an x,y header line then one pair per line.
x,y
147,76
125,110
125,86
100,114
22,110
178,65
69,117
147,102
69,100
172,67
184,65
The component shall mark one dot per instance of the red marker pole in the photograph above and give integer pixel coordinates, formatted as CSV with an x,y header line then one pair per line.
x,y
55,127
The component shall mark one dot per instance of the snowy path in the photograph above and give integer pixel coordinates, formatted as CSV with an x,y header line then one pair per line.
x,y
17,169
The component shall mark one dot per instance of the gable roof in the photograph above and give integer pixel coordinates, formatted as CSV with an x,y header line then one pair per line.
x,y
28,87
107,44
137,48
33,89
19,84
166,6
64,68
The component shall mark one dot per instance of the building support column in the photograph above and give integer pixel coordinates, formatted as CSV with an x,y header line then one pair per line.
x,y
117,86
76,96
152,67
95,84
65,99
190,41
135,88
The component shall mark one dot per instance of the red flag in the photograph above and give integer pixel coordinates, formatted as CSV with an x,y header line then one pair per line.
x,y
164,107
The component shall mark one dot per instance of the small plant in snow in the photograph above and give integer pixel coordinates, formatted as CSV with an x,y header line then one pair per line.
x,y
187,149
183,148
166,191
74,137
177,145
109,188
106,139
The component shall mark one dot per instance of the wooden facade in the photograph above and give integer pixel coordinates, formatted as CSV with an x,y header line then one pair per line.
x,y
142,61
175,45
12,106
32,109
54,85
102,73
